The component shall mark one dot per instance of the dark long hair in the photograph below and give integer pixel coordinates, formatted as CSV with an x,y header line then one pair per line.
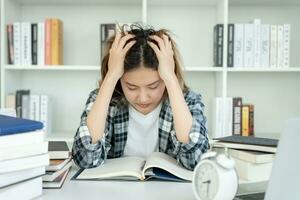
x,y
140,54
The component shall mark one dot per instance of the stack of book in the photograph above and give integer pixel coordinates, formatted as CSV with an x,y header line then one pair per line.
x,y
60,164
23,157
253,156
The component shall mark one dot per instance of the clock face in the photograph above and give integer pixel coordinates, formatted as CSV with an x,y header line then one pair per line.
x,y
206,181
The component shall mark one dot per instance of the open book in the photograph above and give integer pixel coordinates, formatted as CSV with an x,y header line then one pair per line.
x,y
158,165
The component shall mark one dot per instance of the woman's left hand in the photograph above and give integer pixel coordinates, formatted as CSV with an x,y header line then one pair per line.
x,y
165,56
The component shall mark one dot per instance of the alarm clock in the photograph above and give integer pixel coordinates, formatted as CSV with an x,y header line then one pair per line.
x,y
215,177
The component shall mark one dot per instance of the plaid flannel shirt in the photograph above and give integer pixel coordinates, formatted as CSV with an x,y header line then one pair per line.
x,y
112,144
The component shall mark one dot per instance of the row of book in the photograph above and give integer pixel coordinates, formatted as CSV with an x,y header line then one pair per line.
x,y
253,156
253,45
31,106
239,117
35,43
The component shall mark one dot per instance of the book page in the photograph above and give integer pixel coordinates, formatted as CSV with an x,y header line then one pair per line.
x,y
165,162
114,168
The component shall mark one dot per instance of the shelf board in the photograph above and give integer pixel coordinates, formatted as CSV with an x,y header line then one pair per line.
x,y
53,67
263,2
202,69
95,68
79,2
290,69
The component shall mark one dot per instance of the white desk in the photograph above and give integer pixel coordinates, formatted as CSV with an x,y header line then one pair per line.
x,y
129,190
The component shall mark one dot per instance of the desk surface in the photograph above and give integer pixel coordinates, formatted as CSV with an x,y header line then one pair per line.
x,y
129,190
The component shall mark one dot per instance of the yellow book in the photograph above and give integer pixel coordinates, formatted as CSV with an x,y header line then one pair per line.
x,y
245,120
56,42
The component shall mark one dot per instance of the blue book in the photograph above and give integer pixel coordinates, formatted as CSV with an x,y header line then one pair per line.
x,y
13,125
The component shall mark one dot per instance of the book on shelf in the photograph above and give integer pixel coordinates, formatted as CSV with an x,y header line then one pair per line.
x,y
29,189
35,43
247,143
247,119
58,150
157,166
20,176
237,103
218,45
253,44
58,182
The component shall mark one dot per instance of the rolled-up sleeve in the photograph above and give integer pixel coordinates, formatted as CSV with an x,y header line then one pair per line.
x,y
189,154
85,154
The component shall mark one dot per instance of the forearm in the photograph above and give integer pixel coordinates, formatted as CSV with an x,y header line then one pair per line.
x,y
97,116
181,115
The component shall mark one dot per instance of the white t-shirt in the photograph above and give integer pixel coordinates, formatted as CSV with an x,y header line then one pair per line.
x,y
142,138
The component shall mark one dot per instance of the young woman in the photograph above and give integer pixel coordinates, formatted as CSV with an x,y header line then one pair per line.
x,y
142,104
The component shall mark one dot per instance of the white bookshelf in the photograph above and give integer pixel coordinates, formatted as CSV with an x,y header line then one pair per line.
x,y
272,91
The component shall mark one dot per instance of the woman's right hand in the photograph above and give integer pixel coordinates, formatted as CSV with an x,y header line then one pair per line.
x,y
117,55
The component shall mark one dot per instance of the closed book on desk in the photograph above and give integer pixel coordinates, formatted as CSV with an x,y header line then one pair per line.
x,y
58,150
13,125
253,171
25,190
57,164
247,143
24,163
18,176
157,166
52,175
58,182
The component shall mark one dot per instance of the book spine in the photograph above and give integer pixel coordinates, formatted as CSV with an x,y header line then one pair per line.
x,y
215,46
249,45
237,115
45,113
10,101
257,42
34,50
34,107
230,45
238,59
19,103
10,47
228,116
220,45
245,120
265,45
48,41
286,45
17,42
41,43
26,106
218,118
273,46
251,119
26,43
56,42
280,46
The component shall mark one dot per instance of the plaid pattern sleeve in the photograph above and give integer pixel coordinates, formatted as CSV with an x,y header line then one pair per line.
x,y
189,154
86,154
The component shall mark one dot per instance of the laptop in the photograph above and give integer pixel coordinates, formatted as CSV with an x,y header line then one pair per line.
x,y
285,175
